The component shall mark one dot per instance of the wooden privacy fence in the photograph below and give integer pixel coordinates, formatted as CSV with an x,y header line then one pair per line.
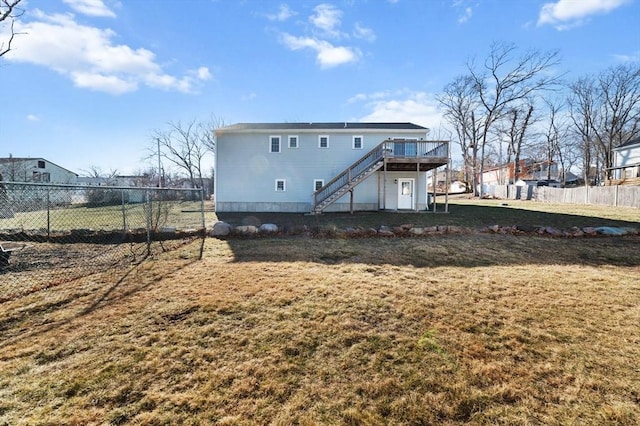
x,y
619,196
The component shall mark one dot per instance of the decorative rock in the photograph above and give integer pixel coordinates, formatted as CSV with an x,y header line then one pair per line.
x,y
220,229
416,231
386,233
247,229
589,230
610,230
384,228
455,229
267,228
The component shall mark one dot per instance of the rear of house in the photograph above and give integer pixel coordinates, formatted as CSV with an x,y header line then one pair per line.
x,y
305,167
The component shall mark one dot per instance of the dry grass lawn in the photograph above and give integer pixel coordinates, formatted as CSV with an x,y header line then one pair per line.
x,y
480,329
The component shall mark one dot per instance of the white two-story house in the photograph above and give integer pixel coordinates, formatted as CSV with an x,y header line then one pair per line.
x,y
316,167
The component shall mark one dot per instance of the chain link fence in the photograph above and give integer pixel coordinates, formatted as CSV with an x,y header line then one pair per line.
x,y
52,235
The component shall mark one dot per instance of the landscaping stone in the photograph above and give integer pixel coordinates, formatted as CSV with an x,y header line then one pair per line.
x,y
246,229
220,229
268,228
610,230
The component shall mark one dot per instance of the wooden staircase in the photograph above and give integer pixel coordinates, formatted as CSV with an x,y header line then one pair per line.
x,y
348,179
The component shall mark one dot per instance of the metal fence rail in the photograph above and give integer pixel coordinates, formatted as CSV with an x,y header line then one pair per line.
x,y
54,234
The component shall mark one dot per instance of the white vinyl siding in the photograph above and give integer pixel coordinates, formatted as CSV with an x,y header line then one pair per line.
x,y
293,142
358,142
274,143
323,141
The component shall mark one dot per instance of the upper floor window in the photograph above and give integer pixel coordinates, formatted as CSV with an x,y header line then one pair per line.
x,y
357,142
317,184
40,164
293,141
323,141
281,185
274,143
37,177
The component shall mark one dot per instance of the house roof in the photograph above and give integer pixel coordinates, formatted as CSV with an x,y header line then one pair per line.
x,y
629,144
8,160
322,126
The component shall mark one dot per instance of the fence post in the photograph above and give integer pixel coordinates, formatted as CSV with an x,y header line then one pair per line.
x,y
148,200
204,225
124,214
48,215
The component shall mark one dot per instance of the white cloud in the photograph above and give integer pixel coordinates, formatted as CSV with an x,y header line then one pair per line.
x,y
633,57
91,8
283,14
402,106
327,18
565,14
466,15
327,55
364,33
88,56
33,117
102,83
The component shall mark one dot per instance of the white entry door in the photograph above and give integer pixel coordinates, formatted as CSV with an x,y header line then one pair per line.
x,y
405,194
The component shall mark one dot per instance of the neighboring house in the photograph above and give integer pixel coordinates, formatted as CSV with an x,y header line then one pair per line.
x,y
315,167
626,162
37,170
532,172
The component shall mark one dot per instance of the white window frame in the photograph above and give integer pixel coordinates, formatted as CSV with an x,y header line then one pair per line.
x,y
297,141
315,184
284,185
353,142
320,141
271,138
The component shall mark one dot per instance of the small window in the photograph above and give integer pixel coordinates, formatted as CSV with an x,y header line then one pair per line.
x,y
40,164
274,144
280,185
37,177
46,177
317,184
293,141
357,142
323,141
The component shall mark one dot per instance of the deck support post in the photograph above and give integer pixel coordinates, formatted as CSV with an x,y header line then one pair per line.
x,y
351,201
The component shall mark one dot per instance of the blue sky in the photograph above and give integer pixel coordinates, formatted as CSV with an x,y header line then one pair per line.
x,y
88,82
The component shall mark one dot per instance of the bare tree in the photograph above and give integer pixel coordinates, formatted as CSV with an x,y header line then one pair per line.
x,y
183,145
582,111
605,111
492,89
505,80
619,122
460,104
519,119
9,11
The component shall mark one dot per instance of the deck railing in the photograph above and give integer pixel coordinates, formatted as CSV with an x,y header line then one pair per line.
x,y
390,148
